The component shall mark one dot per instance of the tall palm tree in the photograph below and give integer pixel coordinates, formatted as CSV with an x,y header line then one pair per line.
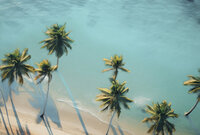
x,y
115,63
45,70
195,83
14,68
112,99
159,117
58,41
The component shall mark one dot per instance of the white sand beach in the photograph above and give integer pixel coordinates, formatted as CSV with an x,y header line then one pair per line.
x,y
70,124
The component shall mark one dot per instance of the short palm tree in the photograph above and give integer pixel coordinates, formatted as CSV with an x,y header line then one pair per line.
x,y
45,70
58,41
115,63
195,83
159,117
14,68
113,97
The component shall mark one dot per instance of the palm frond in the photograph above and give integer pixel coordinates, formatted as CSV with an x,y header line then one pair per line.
x,y
105,90
124,69
105,70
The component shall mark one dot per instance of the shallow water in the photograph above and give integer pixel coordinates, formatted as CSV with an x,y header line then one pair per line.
x,y
158,39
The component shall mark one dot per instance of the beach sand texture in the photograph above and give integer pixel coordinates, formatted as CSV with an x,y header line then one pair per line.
x,y
64,122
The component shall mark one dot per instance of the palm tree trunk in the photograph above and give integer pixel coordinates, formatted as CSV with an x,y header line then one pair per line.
x,y
187,113
45,104
5,106
57,61
16,115
110,123
115,74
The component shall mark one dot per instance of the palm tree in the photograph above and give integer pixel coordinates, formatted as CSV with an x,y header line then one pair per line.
x,y
58,41
195,83
45,70
112,99
14,68
115,63
159,117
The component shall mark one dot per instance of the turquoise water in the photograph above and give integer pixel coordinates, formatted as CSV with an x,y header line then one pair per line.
x,y
158,39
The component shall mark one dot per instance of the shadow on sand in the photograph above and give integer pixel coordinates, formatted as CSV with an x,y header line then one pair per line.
x,y
115,131
4,123
7,93
37,102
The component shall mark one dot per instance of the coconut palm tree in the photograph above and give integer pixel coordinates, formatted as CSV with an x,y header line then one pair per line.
x,y
159,117
13,69
113,97
58,41
195,83
115,63
14,66
45,70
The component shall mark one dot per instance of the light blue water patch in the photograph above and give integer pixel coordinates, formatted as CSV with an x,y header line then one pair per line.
x,y
158,39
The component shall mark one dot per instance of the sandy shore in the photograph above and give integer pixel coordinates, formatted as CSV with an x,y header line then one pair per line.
x,y
68,122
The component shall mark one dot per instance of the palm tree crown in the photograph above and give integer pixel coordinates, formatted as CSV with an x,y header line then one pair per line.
x,y
58,40
45,69
195,83
160,113
15,67
115,63
115,96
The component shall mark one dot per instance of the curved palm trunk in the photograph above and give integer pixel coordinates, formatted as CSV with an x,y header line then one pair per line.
x,y
45,104
16,115
5,106
110,123
187,113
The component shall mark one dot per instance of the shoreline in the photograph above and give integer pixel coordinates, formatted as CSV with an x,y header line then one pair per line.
x,y
67,118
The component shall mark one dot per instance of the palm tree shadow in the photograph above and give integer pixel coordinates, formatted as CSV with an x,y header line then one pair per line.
x,y
4,96
73,101
46,123
120,130
28,131
16,115
114,130
8,93
37,102
4,123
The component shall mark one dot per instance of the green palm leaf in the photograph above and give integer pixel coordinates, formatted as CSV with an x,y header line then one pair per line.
x,y
160,113
115,63
15,66
58,40
113,97
44,69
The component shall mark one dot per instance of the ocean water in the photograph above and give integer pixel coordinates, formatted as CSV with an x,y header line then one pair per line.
x,y
158,39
